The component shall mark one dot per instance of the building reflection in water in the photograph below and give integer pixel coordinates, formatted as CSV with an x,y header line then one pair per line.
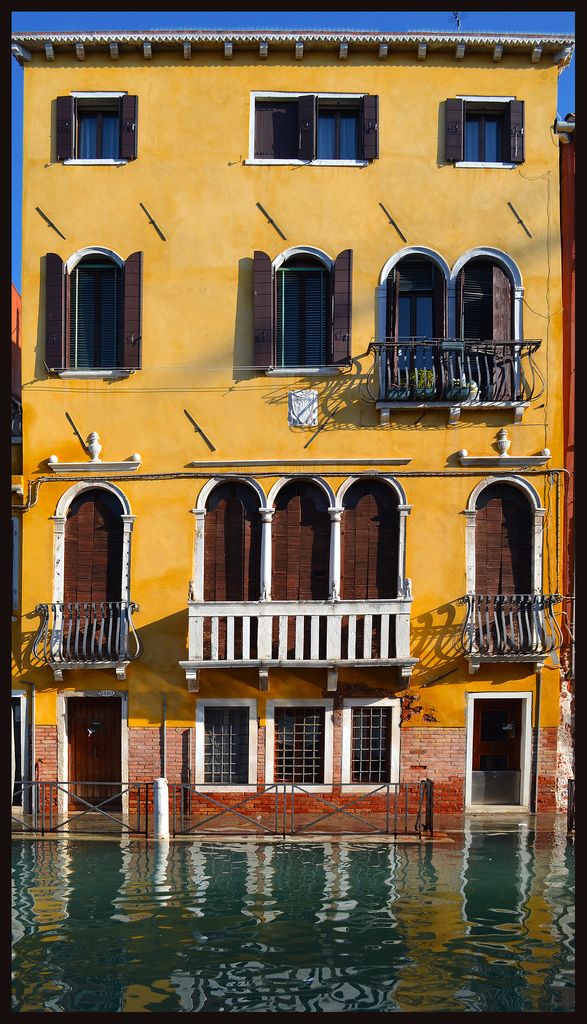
x,y
481,923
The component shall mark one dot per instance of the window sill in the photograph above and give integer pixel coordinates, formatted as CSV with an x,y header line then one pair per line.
x,y
116,374
226,787
87,163
304,371
309,163
482,163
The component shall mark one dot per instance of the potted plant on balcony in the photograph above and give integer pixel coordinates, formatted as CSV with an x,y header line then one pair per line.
x,y
398,393
458,390
422,383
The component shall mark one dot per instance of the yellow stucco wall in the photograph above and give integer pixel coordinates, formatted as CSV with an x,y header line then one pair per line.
x,y
193,139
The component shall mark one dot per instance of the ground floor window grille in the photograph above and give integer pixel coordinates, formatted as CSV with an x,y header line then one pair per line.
x,y
299,745
371,744
226,745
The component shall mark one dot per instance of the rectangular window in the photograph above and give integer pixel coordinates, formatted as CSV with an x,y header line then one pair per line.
x,y
96,127
310,128
226,745
371,744
299,745
95,303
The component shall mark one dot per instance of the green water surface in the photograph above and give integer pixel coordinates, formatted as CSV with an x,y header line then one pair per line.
x,y
481,924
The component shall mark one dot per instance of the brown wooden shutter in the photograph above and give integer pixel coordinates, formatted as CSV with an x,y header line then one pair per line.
x,y
301,544
65,123
232,545
307,127
342,307
439,302
132,305
503,362
370,127
128,127
455,130
503,542
93,548
515,131
263,341
55,356
369,540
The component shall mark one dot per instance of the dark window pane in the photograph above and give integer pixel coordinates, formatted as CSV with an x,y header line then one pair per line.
x,y
371,745
95,314
299,745
326,136
492,140
472,132
349,124
226,745
87,135
302,315
424,313
110,150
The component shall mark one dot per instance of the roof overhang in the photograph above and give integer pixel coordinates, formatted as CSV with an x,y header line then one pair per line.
x,y
556,49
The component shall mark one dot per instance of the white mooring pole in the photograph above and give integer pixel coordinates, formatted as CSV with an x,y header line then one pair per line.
x,y
160,809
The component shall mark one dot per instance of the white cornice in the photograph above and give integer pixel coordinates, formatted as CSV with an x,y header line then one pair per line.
x,y
559,48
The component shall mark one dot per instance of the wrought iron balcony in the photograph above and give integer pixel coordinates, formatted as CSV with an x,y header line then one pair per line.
x,y
86,635
455,372
509,627
304,634
16,419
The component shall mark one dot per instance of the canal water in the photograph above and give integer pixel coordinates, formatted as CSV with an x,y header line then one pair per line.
x,y
481,923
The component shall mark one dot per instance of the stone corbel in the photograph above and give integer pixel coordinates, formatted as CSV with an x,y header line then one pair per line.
x,y
263,679
192,676
332,680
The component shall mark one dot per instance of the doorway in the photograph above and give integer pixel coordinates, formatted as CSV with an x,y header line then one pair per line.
x,y
498,750
94,726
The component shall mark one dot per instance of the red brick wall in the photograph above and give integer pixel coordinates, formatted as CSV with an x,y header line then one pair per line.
x,y
46,752
437,754
144,754
547,762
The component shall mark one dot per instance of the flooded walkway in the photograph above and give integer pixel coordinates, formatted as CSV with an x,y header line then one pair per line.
x,y
479,920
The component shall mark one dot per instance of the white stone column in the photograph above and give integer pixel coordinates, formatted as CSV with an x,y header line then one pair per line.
x,y
127,525
335,516
404,511
58,556
266,568
470,516
198,562
160,809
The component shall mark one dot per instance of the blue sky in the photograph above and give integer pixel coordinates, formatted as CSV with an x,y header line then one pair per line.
x,y
532,22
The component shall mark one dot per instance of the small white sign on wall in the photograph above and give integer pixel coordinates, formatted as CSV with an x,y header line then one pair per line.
x,y
302,408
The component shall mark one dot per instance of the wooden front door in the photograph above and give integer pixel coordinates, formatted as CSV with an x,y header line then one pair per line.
x,y
94,734
497,727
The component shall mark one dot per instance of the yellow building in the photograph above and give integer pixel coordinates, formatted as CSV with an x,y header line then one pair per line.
x,y
293,412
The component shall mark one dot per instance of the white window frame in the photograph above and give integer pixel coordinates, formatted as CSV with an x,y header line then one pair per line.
x,y
97,95
503,165
525,749
328,705
252,159
347,739
24,747
200,743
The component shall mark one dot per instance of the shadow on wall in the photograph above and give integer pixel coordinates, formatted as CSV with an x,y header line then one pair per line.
x,y
434,639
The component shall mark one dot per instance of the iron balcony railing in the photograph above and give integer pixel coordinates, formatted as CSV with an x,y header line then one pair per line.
x,y
86,633
510,625
16,418
306,633
456,370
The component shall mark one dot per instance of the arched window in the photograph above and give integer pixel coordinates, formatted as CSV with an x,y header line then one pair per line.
x,y
484,315
233,543
93,311
416,319
301,543
93,548
370,542
95,323
503,541
302,309
303,300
